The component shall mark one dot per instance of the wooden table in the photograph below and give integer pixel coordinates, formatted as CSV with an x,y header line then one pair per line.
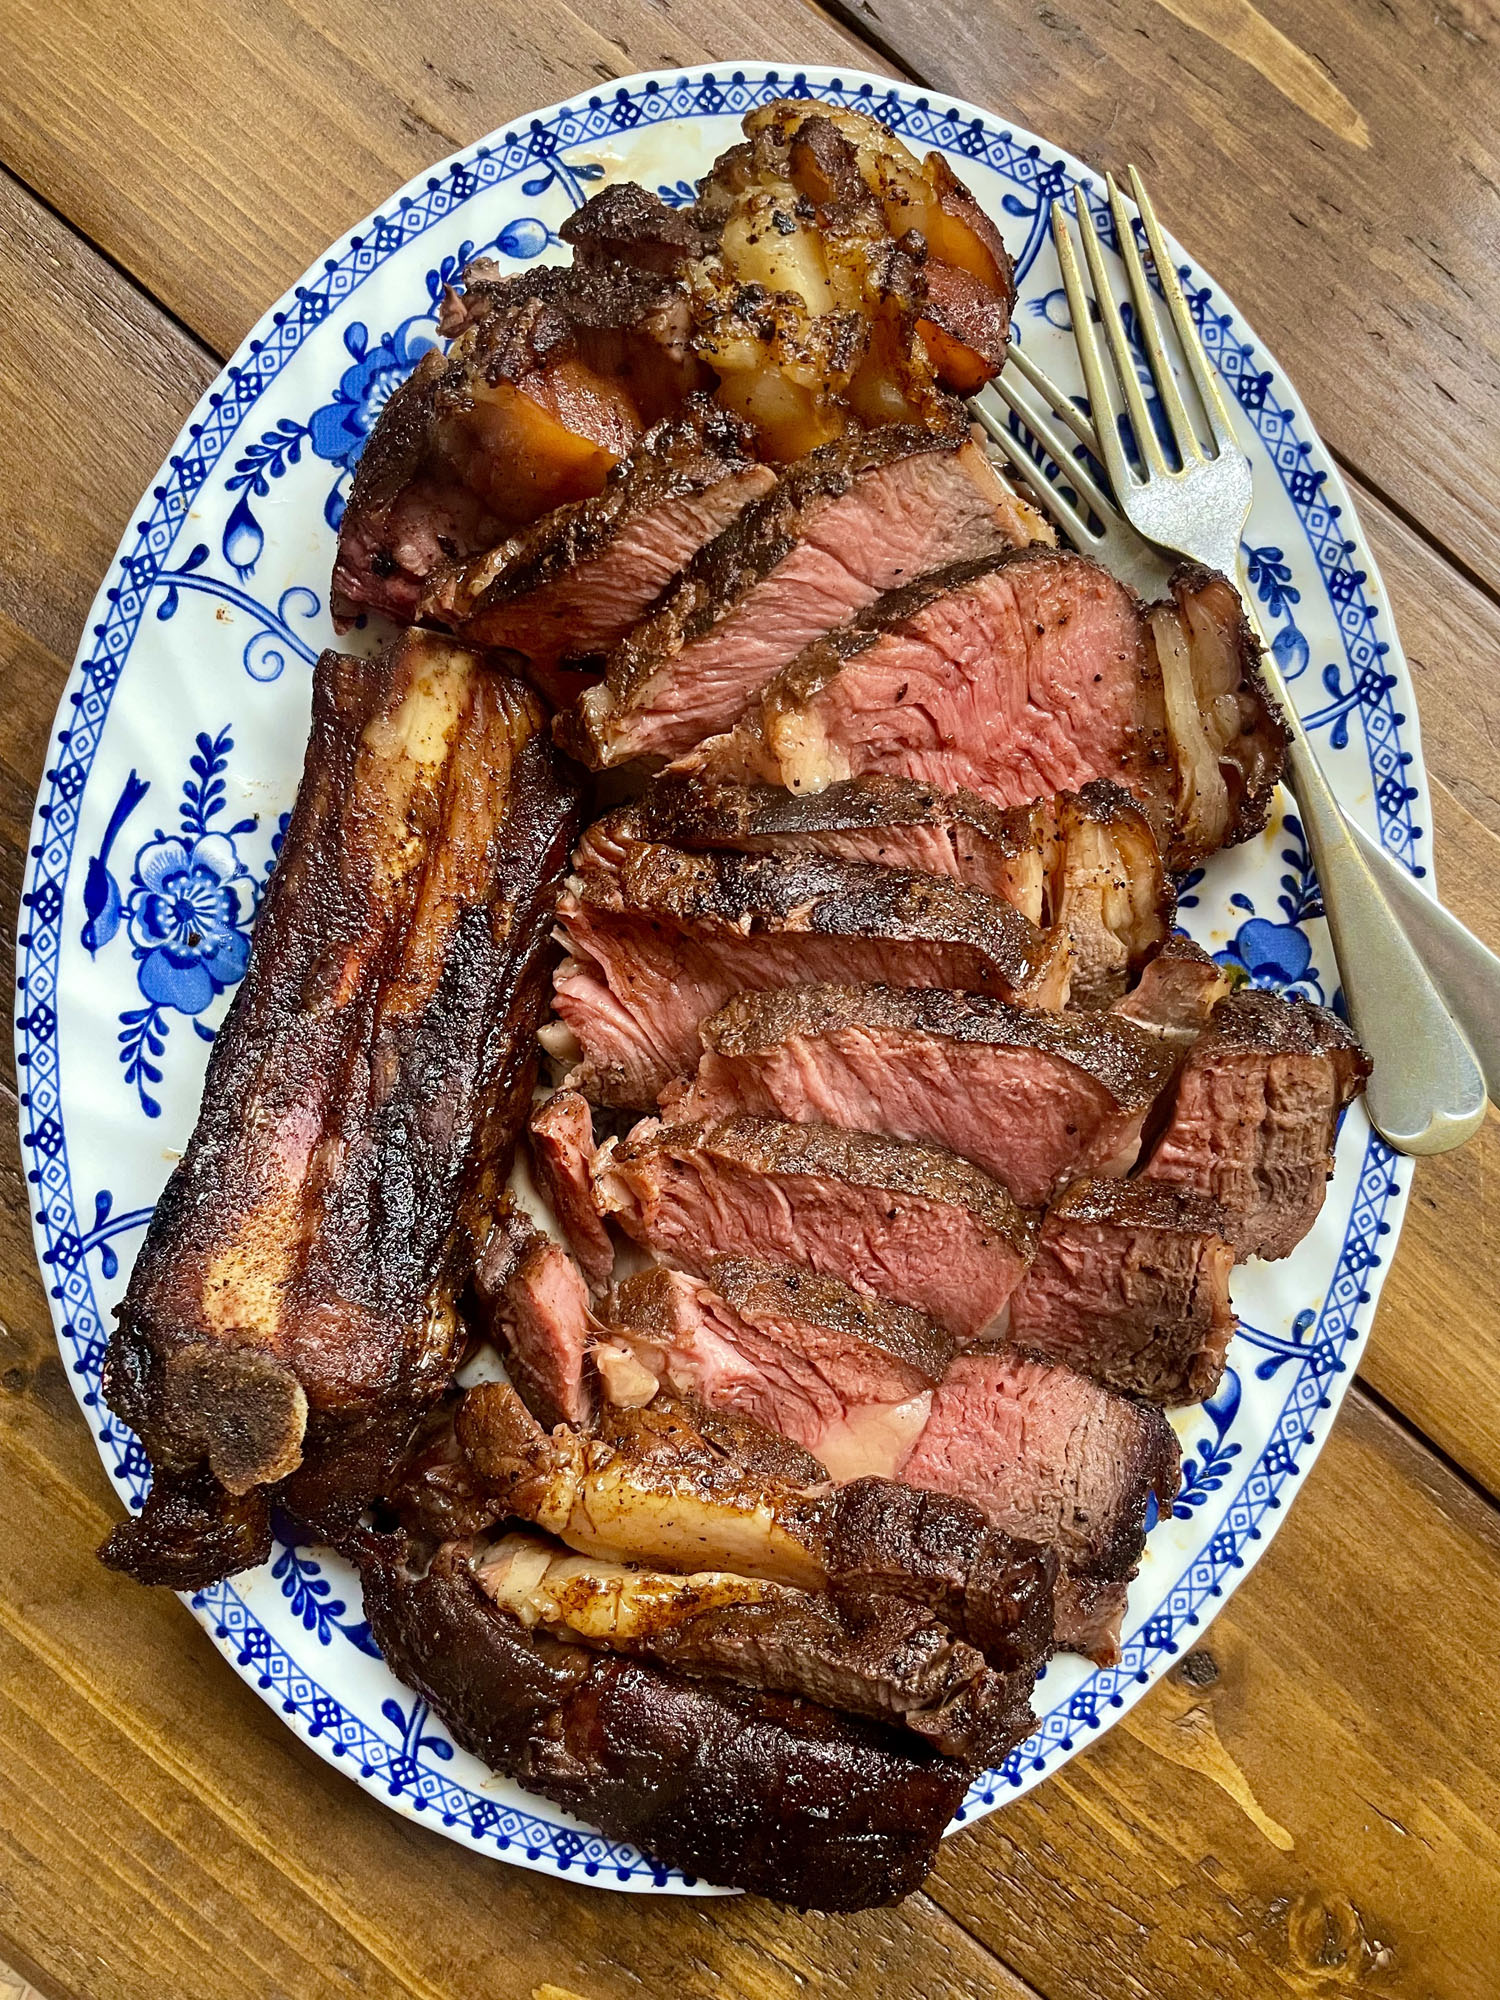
x,y
1309,1804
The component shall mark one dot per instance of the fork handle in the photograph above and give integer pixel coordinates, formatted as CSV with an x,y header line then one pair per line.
x,y
1426,1094
1465,972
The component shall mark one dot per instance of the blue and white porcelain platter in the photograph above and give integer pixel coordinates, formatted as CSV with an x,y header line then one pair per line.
x,y
175,758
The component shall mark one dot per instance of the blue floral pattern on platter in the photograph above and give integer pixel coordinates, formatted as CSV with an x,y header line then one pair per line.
x,y
190,687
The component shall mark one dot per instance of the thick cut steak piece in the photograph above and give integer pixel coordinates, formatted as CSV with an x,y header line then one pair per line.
x,y
1034,1098
552,377
908,1223
1130,1286
764,1792
1022,676
854,518
1256,1110
571,586
537,1310
891,1661
294,1307
1084,861
849,1377
659,938
1053,1458
1176,994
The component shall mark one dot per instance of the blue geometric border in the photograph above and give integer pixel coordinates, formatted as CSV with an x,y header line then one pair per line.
x,y
1036,175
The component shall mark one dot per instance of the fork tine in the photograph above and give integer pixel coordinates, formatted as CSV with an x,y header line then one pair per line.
x,y
1183,434
1052,441
1214,406
1067,517
1146,441
1103,391
1061,405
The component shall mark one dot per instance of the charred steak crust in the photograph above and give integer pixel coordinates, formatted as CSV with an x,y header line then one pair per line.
x,y
685,809
423,1072
821,894
756,1791
1142,1204
1127,1060
865,1159
1257,750
1282,1024
788,1291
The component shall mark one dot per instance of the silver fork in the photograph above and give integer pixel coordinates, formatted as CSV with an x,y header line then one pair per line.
x,y
1427,1093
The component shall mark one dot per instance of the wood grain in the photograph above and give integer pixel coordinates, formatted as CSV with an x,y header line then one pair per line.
x,y
1292,145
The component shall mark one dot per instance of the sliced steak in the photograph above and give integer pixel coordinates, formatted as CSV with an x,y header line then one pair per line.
x,y
847,1376
552,376
757,1791
676,1486
1130,1286
561,1133
1053,1458
537,1309
1256,1110
1175,994
658,939
1034,1098
571,586
894,821
908,1223
1022,676
878,1657
625,224
851,520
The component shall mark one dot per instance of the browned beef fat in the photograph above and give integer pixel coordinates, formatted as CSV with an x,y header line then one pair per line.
x,y
854,518
659,939
569,587
1130,1286
1175,994
774,1794
1035,1098
908,1223
1254,1115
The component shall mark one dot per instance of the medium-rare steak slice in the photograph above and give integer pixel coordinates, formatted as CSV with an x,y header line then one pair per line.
x,y
1130,1285
675,1486
572,585
1176,993
903,1222
851,520
1255,1113
1022,676
658,939
847,1376
1053,1458
294,1307
552,376
756,1791
893,821
561,1135
1085,861
537,1311
1034,1098
878,1657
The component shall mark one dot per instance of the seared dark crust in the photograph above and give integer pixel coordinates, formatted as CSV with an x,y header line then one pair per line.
x,y
816,665
748,550
1284,1024
865,1159
1127,1060
1259,751
784,1291
625,224
687,810
1137,1204
825,894
420,1053
505,342
684,454
755,1791
191,1532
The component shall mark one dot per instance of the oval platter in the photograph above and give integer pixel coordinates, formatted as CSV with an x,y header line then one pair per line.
x,y
175,757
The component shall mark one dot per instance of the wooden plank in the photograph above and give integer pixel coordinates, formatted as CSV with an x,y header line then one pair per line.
x,y
1290,145
1310,1802
215,154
